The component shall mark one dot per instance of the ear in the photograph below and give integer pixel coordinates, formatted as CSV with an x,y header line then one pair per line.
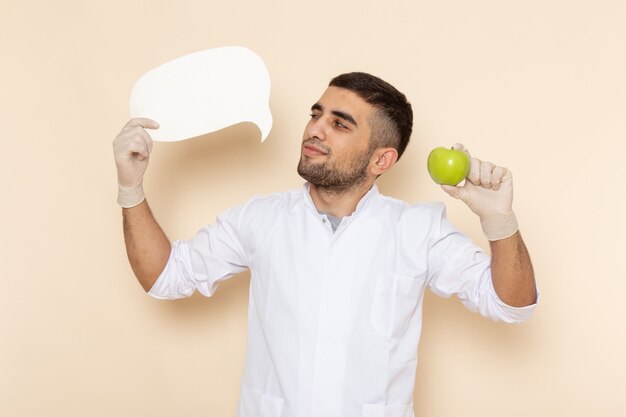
x,y
382,160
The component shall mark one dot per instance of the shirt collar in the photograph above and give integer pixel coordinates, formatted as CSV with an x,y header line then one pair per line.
x,y
363,203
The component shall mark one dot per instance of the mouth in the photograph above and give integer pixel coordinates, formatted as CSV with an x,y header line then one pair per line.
x,y
312,150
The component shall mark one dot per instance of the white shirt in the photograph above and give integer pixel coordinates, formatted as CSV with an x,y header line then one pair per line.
x,y
334,318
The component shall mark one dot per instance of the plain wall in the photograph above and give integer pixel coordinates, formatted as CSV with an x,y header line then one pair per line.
x,y
538,86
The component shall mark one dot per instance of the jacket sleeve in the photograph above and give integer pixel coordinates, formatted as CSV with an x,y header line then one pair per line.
x,y
457,266
215,253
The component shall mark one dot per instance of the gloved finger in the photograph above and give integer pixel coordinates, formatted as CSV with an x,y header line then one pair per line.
x,y
141,122
453,191
125,140
458,147
139,146
497,176
149,142
127,135
461,147
139,133
486,169
474,173
508,176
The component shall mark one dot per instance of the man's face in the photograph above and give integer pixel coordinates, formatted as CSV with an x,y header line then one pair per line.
x,y
336,142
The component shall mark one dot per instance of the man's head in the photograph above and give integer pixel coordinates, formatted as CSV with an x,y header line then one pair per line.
x,y
358,129
392,121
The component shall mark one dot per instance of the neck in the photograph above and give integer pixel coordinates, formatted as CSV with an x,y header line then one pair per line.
x,y
338,203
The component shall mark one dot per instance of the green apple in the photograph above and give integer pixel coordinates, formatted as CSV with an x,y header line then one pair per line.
x,y
448,166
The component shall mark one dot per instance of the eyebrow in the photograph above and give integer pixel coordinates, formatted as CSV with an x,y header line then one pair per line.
x,y
343,115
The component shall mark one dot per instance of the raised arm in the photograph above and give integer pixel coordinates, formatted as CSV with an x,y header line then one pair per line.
x,y
147,246
488,192
512,272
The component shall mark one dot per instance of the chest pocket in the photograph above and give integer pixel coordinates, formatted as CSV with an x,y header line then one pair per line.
x,y
396,297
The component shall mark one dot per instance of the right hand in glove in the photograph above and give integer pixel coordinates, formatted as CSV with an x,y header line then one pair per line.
x,y
488,192
131,149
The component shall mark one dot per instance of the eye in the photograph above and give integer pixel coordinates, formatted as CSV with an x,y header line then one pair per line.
x,y
315,116
340,125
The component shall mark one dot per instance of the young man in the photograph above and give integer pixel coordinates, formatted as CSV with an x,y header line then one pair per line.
x,y
338,271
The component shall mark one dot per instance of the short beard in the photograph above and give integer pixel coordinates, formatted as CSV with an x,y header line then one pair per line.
x,y
335,180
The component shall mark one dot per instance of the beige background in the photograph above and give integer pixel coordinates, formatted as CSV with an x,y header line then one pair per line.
x,y
538,86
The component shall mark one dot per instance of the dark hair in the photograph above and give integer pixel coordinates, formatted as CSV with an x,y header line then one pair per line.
x,y
394,127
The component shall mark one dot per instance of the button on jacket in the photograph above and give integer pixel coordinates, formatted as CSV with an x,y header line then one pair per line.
x,y
334,317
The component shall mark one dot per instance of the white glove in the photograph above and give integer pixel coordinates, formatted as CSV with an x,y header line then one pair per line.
x,y
131,149
488,192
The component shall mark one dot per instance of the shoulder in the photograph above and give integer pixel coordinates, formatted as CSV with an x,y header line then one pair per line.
x,y
273,203
402,209
411,219
261,209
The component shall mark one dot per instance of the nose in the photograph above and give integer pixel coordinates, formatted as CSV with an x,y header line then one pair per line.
x,y
315,129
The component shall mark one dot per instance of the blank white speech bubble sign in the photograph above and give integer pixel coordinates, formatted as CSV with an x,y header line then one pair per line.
x,y
204,92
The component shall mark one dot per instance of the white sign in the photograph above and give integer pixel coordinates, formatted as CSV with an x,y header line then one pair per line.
x,y
204,92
